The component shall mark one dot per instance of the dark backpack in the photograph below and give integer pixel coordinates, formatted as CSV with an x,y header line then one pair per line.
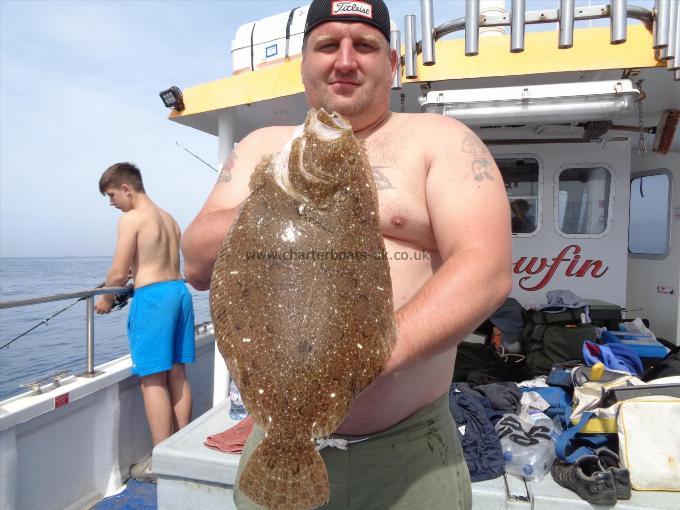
x,y
556,337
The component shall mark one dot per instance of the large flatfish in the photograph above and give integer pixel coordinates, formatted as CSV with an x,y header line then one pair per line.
x,y
301,300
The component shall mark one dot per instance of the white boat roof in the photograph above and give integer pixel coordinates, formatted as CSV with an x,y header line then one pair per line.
x,y
274,95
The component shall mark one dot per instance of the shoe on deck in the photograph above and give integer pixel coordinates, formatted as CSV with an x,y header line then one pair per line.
x,y
143,472
588,479
610,461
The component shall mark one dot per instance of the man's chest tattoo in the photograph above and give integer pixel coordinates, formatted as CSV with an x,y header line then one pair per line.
x,y
381,180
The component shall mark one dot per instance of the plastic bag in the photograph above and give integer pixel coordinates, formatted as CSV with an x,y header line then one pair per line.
x,y
528,444
637,326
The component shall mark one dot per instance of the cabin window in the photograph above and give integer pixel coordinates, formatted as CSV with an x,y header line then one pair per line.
x,y
649,227
583,200
521,184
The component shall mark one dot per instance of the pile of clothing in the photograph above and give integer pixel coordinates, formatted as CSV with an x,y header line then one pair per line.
x,y
546,393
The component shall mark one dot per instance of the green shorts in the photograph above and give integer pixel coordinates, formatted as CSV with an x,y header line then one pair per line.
x,y
415,464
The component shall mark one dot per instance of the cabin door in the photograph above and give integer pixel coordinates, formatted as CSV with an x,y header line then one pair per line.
x,y
569,206
654,258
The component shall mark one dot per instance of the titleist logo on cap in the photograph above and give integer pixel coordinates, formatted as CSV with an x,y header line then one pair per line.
x,y
344,8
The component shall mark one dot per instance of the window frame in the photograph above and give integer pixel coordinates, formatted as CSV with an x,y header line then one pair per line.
x,y
539,184
669,222
610,205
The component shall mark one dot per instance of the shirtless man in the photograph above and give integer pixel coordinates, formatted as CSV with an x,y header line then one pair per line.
x,y
446,223
161,322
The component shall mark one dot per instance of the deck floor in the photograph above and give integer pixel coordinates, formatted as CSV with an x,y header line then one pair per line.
x,y
136,495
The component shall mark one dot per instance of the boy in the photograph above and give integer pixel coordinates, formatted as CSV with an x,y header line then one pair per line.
x,y
161,320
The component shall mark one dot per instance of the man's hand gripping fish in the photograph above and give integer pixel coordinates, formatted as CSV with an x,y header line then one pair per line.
x,y
301,300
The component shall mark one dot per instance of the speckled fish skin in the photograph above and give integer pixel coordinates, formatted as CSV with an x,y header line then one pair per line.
x,y
303,335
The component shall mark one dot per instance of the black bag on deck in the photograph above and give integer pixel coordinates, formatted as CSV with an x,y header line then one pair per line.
x,y
604,314
476,362
666,367
551,338
473,357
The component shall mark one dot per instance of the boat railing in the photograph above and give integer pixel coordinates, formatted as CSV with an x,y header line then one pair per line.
x,y
662,21
82,295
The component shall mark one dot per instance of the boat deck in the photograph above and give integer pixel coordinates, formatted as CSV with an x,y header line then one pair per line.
x,y
192,475
137,495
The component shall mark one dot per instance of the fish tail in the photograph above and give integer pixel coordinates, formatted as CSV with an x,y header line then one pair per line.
x,y
280,475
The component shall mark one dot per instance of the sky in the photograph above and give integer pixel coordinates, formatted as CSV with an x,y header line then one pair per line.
x,y
79,84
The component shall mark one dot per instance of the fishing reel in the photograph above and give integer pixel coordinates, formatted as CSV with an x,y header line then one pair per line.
x,y
120,300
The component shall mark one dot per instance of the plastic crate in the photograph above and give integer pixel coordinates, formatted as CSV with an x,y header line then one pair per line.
x,y
643,345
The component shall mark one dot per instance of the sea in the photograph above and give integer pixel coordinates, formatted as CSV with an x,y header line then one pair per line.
x,y
60,344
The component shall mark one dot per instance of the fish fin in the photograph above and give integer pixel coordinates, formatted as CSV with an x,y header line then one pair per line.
x,y
381,339
285,476
334,412
259,175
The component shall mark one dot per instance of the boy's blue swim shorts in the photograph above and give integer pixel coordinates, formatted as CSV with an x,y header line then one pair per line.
x,y
161,327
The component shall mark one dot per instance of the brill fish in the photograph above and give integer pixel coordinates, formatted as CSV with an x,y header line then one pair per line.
x,y
301,301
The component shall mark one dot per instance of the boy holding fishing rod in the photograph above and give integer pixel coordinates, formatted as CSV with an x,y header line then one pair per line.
x,y
161,319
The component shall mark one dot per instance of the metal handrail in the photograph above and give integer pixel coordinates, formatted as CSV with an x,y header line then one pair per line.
x,y
63,296
88,296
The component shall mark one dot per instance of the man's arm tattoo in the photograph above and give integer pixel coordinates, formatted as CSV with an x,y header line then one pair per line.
x,y
227,166
381,180
481,165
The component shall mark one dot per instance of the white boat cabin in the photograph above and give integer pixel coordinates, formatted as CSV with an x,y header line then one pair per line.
x,y
582,129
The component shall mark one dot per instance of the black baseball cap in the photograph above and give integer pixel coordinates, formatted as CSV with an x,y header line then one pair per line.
x,y
373,12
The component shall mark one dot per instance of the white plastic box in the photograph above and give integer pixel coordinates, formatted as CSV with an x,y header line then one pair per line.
x,y
268,41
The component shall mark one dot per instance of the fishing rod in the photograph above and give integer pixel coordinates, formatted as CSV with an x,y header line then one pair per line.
x,y
120,301
198,158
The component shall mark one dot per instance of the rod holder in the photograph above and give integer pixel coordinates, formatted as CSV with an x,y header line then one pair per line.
x,y
566,15
669,51
517,26
410,45
471,28
395,44
427,29
662,14
619,24
673,64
